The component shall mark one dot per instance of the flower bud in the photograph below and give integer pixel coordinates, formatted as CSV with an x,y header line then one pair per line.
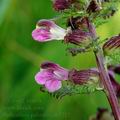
x,y
60,5
78,23
83,24
94,6
112,44
78,37
83,76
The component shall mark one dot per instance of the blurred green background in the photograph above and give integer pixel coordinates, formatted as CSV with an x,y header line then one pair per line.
x,y
20,58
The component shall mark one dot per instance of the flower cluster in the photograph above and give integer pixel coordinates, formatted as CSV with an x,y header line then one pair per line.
x,y
51,75
81,32
82,17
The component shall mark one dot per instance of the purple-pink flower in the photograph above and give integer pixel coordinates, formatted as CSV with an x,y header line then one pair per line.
x,y
51,76
47,30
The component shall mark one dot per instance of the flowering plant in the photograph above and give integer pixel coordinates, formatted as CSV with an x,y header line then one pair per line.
x,y
82,17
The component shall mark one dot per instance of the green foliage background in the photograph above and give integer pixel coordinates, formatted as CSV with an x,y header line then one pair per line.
x,y
20,58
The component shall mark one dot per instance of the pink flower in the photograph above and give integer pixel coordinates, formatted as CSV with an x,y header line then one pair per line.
x,y
51,76
47,30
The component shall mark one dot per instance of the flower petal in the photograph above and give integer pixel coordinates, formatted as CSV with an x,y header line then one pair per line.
x,y
53,85
41,35
49,65
42,76
45,23
56,31
60,72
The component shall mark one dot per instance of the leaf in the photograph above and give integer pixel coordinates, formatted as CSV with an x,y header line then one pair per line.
x,y
69,89
107,11
113,58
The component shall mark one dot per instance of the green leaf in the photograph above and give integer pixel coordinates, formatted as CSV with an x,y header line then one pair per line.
x,y
107,11
72,89
113,57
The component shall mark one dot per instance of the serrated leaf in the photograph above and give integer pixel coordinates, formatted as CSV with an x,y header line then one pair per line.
x,y
107,11
114,57
71,89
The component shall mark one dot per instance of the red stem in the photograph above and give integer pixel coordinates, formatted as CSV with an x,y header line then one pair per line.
x,y
109,90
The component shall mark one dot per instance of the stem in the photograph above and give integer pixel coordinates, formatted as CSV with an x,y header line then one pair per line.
x,y
109,90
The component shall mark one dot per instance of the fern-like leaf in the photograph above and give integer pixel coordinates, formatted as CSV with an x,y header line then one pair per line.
x,y
68,89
